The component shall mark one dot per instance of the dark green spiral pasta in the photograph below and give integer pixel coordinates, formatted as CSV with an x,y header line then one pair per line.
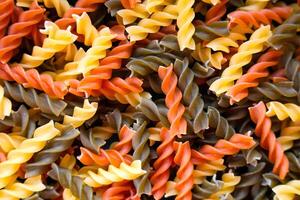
x,y
113,6
51,152
206,189
209,32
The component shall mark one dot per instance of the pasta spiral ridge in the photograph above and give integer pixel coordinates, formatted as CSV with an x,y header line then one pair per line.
x,y
173,98
223,129
229,183
152,25
207,169
211,31
283,111
283,91
51,152
252,5
206,189
104,158
113,6
185,171
125,140
33,99
7,9
268,140
25,151
9,142
115,174
247,19
19,190
240,59
128,16
162,164
287,191
80,7
111,62
223,147
216,12
17,31
74,183
185,26
191,96
250,79
142,153
122,190
285,32
61,6
288,135
5,105
56,41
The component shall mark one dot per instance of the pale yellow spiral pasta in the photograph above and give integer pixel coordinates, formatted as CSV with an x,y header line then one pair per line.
x,y
186,28
115,174
5,105
223,43
283,111
207,169
18,190
85,27
56,41
206,56
24,152
152,25
287,191
67,195
80,115
156,5
254,5
288,135
243,57
229,183
9,142
128,16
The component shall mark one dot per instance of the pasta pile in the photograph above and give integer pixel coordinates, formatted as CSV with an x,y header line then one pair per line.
x,y
149,99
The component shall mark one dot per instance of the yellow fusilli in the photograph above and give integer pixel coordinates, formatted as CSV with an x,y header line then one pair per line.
x,y
9,142
288,135
207,169
287,191
5,105
283,111
128,16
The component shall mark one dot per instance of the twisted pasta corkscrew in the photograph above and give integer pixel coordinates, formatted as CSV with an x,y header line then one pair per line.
x,y
173,98
249,80
56,41
216,12
268,139
128,16
162,164
17,31
283,111
6,12
61,6
184,174
19,190
207,169
222,148
287,191
288,135
9,142
5,104
114,174
241,58
32,78
25,151
152,25
184,22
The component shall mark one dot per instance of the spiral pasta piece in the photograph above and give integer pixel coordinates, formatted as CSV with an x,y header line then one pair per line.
x,y
191,96
9,142
222,148
125,136
5,104
211,31
80,115
56,41
259,70
288,135
268,140
128,16
7,8
19,190
173,98
229,183
184,174
33,99
283,111
61,6
51,152
209,168
287,191
76,185
25,151
85,27
255,5
185,26
241,58
17,31
152,25
31,78
216,12
162,164
115,174
249,19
